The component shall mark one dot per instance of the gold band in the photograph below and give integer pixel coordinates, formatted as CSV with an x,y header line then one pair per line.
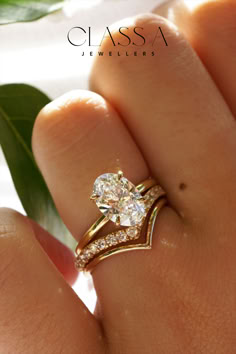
x,y
90,253
131,247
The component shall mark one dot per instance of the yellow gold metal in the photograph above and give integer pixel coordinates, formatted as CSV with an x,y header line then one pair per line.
x,y
99,223
93,196
92,231
131,247
118,220
120,174
145,185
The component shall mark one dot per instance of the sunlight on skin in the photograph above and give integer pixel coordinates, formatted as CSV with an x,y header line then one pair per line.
x,y
85,290
180,9
193,4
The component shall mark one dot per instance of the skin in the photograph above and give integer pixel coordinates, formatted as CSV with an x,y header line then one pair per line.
x,y
171,116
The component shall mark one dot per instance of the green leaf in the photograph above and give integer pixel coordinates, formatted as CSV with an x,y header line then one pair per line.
x,y
26,10
19,106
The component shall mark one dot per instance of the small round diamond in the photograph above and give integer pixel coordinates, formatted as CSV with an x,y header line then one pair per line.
x,y
93,248
82,257
80,263
154,192
114,240
148,202
87,253
101,244
109,240
122,236
133,232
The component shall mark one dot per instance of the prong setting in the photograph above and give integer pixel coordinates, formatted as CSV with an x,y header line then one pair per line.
x,y
118,199
93,251
118,220
94,196
120,175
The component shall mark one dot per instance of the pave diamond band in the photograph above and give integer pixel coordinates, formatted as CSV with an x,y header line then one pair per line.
x,y
104,243
125,205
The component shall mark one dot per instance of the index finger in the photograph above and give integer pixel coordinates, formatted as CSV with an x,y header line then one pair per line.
x,y
40,313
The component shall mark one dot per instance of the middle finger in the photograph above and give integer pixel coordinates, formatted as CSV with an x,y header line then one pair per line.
x,y
174,111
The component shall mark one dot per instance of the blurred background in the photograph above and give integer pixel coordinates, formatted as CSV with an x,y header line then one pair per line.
x,y
38,53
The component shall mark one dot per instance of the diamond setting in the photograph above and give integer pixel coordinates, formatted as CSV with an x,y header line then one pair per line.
x,y
118,199
133,232
115,238
111,240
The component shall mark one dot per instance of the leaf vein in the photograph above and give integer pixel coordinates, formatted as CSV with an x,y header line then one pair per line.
x,y
18,136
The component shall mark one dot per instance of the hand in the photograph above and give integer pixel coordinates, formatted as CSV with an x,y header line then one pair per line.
x,y
170,116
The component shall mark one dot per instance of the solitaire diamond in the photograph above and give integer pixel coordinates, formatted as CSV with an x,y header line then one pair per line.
x,y
118,199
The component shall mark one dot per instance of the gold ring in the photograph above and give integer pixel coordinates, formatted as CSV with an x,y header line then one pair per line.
x,y
133,208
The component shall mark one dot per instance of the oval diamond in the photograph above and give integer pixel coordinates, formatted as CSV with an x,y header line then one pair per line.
x,y
118,199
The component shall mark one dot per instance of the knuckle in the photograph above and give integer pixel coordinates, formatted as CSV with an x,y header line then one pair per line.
x,y
57,124
53,114
151,24
140,33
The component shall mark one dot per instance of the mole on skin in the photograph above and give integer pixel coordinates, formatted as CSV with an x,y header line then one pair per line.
x,y
182,186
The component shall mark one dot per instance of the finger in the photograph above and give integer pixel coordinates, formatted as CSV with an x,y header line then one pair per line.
x,y
36,303
210,27
60,255
77,138
174,111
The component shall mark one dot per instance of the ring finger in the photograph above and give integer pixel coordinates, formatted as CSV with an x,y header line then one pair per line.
x,y
77,138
